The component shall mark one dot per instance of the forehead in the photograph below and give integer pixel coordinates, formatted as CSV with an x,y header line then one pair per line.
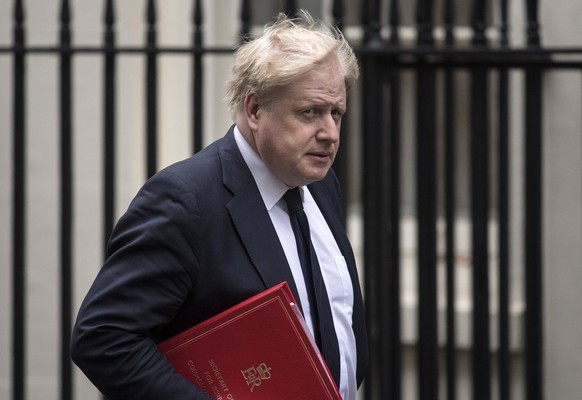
x,y
323,84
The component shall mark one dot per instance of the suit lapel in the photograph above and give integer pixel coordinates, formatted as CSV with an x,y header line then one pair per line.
x,y
252,220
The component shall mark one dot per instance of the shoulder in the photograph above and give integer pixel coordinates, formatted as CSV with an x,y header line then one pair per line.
x,y
200,172
206,168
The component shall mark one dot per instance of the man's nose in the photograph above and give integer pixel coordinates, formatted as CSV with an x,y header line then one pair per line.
x,y
329,128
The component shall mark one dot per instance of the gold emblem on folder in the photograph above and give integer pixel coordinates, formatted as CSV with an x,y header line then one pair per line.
x,y
256,375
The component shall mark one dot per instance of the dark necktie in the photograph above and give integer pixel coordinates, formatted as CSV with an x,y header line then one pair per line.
x,y
324,330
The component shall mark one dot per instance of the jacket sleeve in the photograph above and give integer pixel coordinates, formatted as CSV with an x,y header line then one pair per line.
x,y
149,273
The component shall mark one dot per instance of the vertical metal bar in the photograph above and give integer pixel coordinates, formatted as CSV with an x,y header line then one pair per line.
x,y
533,237
391,244
66,199
426,239
426,210
109,162
394,23
151,87
450,191
371,226
19,214
533,26
337,12
371,23
245,21
533,216
290,7
392,389
386,317
479,214
197,76
503,205
424,23
340,164
372,128
479,208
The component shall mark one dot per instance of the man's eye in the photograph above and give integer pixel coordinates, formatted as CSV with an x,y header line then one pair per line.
x,y
336,113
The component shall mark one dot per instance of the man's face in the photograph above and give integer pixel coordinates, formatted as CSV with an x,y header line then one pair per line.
x,y
297,136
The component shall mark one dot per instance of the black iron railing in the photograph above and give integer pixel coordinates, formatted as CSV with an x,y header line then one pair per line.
x,y
436,67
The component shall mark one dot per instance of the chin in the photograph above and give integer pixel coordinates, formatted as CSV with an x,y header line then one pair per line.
x,y
317,177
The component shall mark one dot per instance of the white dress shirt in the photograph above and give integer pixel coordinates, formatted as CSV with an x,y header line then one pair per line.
x,y
333,265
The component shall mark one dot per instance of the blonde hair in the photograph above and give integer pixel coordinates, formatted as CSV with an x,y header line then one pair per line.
x,y
288,49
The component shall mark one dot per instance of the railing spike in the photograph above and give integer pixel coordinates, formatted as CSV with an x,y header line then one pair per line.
x,y
290,8
197,16
449,19
109,13
65,12
151,12
338,14
65,23
478,23
533,25
371,22
245,21
394,19
424,24
19,11
197,19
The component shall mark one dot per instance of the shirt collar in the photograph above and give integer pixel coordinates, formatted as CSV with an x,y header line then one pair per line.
x,y
270,187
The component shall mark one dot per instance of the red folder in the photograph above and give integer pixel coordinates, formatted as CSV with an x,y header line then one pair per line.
x,y
259,349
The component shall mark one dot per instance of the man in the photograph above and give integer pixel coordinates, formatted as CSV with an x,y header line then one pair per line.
x,y
213,230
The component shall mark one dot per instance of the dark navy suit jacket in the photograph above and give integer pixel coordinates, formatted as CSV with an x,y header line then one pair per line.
x,y
196,240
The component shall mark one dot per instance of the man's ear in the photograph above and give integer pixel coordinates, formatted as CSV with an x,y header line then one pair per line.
x,y
251,110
